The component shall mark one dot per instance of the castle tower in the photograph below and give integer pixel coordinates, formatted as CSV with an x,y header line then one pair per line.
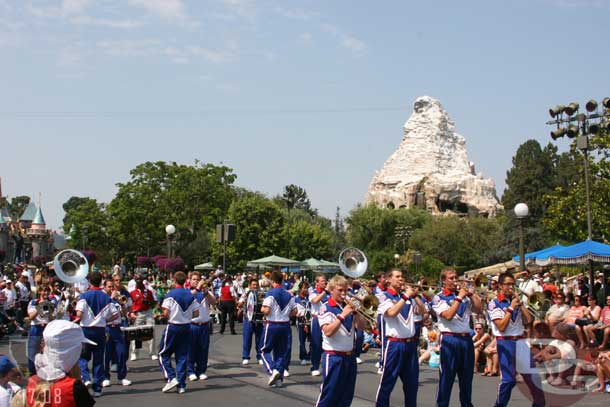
x,y
38,234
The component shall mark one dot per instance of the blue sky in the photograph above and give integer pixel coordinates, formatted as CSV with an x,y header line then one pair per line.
x,y
313,93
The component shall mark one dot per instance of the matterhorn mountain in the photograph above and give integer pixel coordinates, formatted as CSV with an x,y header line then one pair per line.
x,y
430,170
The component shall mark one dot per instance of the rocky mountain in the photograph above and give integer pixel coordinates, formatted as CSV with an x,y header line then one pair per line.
x,y
430,169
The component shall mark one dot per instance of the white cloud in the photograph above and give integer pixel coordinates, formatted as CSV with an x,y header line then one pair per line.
x,y
353,44
306,39
102,22
166,9
297,13
212,55
66,9
74,7
130,47
242,8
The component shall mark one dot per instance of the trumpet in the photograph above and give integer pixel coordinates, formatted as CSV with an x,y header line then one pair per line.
x,y
45,309
365,305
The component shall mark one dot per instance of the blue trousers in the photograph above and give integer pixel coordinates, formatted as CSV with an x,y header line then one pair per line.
x,y
338,381
457,358
507,355
275,340
316,344
400,360
175,340
34,341
116,351
252,329
359,342
199,349
97,335
303,338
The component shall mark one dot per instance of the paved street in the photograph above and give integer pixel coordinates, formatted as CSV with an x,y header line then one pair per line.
x,y
231,384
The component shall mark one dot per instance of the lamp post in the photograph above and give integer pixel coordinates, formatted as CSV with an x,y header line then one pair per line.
x,y
521,211
582,125
396,257
169,230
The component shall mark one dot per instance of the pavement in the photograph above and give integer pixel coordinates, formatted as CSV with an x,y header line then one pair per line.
x,y
231,384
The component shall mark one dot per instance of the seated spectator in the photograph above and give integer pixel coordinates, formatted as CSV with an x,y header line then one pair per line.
x,y
480,340
558,311
432,352
491,359
602,364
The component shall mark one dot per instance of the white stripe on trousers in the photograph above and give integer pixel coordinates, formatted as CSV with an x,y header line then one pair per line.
x,y
163,350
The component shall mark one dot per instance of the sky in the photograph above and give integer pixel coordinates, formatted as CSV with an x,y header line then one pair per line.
x,y
313,93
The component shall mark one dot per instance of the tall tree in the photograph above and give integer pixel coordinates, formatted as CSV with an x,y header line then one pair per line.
x,y
295,197
73,203
18,205
90,223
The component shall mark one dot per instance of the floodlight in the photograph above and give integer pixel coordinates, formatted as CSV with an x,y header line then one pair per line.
x,y
556,111
572,131
557,133
572,108
606,103
593,128
591,105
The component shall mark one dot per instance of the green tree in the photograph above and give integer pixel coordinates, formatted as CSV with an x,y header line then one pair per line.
x,y
295,197
307,237
373,230
73,203
566,218
90,223
260,225
194,198
18,205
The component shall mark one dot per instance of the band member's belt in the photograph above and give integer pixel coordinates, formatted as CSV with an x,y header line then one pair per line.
x,y
455,334
314,316
200,323
114,326
277,322
402,340
336,352
508,338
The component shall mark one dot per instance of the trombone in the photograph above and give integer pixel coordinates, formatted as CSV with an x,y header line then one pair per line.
x,y
365,305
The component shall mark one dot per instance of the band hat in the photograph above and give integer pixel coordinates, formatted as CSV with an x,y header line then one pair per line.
x,y
9,281
25,274
6,365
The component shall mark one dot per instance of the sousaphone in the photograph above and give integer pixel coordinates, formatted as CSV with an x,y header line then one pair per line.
x,y
71,266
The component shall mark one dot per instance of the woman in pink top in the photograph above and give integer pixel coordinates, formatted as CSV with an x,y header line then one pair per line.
x,y
577,310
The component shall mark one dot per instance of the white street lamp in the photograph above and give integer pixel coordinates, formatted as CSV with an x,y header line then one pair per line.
x,y
170,230
521,211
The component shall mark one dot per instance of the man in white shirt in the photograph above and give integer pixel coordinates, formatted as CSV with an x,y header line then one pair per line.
x,y
6,391
317,297
23,296
338,323
200,330
11,296
278,307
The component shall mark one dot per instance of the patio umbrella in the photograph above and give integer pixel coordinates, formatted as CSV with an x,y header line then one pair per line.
x,y
204,266
275,261
311,264
578,253
539,254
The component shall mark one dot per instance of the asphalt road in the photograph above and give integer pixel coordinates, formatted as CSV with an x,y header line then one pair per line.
x,y
231,384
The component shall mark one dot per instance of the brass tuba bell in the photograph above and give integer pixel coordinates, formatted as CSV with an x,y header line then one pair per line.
x,y
71,266
352,262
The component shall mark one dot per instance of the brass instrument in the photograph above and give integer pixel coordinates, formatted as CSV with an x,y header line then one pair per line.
x,y
45,309
352,262
71,266
365,305
536,303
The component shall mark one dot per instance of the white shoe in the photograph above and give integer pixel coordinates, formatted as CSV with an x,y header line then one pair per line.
x,y
377,365
133,357
88,383
97,394
358,360
192,377
154,357
286,373
106,383
275,376
260,362
245,362
380,371
315,373
170,385
303,362
126,382
181,390
203,376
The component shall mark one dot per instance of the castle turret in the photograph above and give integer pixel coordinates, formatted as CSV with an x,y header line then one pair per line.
x,y
38,234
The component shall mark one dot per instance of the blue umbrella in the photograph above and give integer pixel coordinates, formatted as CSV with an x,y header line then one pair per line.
x,y
539,254
578,253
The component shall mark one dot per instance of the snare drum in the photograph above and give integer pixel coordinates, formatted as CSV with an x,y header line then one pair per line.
x,y
139,333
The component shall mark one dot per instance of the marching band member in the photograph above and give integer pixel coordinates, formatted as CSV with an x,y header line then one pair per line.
x,y
316,298
179,308
379,292
143,302
508,314
303,325
200,329
38,323
278,307
338,323
401,358
94,311
457,350
251,327
116,348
